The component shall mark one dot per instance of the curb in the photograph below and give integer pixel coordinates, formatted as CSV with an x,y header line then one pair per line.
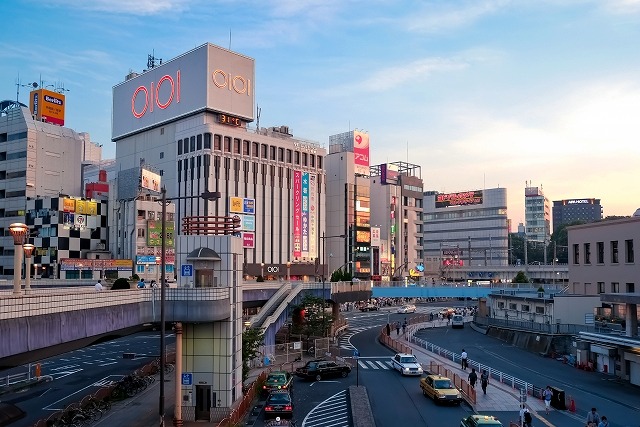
x,y
25,384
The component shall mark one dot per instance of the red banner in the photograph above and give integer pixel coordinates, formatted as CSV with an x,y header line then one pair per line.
x,y
297,214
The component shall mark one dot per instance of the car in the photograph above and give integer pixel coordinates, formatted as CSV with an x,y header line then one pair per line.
x,y
447,311
278,404
407,308
319,369
406,364
369,307
457,321
277,380
480,420
440,389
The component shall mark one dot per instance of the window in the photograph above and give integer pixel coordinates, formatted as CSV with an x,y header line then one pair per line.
x,y
140,232
227,144
236,146
280,154
272,152
631,288
539,310
513,306
525,308
162,154
185,146
587,253
296,157
628,251
207,141
254,149
263,151
615,287
192,144
217,142
151,215
576,254
199,142
289,154
500,304
245,147
179,147
600,249
614,251
304,159
601,289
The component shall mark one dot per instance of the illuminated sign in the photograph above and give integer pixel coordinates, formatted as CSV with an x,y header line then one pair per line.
x,y
297,214
361,152
388,174
150,180
47,106
375,236
459,199
207,78
229,120
579,202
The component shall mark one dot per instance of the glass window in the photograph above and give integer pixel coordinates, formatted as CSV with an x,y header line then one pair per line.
x,y
513,306
628,251
587,253
289,154
296,157
151,215
576,254
179,147
227,144
272,152
615,287
207,141
255,147
199,142
304,159
245,147
539,310
185,146
217,142
600,248
263,151
192,144
631,288
236,146
525,307
500,304
601,289
614,251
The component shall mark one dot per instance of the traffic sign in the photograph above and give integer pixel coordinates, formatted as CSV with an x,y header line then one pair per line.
x,y
187,270
356,354
187,378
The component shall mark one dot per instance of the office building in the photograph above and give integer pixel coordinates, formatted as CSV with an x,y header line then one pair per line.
x,y
537,215
572,210
396,221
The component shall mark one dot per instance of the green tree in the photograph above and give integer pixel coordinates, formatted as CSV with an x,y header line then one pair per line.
x,y
520,278
561,240
316,321
252,339
121,283
341,275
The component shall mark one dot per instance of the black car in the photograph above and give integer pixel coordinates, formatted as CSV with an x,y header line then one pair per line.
x,y
319,369
278,404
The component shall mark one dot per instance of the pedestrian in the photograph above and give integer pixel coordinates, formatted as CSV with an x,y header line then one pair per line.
x,y
388,330
484,381
398,327
547,394
604,422
593,418
464,360
522,408
404,325
473,377
527,419
99,286
431,316
141,284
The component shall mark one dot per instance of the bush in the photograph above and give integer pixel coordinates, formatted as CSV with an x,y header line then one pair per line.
x,y
135,277
121,283
260,279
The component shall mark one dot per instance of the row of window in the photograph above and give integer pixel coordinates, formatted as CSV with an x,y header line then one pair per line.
x,y
8,194
253,149
600,252
615,288
12,156
488,212
153,215
523,307
4,137
11,175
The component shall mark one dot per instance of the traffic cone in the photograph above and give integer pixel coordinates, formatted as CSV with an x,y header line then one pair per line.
x,y
572,405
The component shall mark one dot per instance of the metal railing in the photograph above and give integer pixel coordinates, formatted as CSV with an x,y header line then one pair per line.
x,y
546,328
270,305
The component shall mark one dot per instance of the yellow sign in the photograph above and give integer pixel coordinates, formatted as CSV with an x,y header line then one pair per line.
x,y
235,205
92,208
81,207
47,106
69,205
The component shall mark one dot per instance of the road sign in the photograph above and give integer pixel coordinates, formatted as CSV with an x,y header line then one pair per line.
x,y
523,395
187,270
356,354
187,378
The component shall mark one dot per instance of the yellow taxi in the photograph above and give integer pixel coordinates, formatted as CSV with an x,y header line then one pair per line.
x,y
440,389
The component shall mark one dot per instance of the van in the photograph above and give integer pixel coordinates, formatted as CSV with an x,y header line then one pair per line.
x,y
457,321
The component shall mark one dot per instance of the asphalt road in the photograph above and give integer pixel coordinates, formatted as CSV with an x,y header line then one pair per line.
x,y
82,372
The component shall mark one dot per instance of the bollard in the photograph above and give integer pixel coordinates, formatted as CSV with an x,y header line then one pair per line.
x,y
572,405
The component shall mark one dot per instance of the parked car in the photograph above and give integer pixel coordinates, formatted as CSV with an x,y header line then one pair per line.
x,y
406,364
278,404
407,308
440,389
277,380
480,420
369,307
319,369
457,321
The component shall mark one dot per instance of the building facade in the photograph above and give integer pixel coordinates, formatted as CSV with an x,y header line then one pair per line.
x,y
396,221
572,210
537,215
465,234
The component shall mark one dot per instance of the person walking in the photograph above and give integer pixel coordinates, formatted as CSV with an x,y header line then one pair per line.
x,y
593,418
484,381
398,328
99,286
404,325
464,360
388,330
604,422
547,394
527,419
473,377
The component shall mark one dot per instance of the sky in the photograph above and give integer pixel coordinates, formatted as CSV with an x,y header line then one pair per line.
x,y
479,93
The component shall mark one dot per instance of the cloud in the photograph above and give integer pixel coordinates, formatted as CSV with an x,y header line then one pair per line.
x,y
134,7
437,19
622,7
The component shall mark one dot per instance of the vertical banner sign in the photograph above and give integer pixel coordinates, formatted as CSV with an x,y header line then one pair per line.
x,y
297,214
313,215
375,236
361,152
305,214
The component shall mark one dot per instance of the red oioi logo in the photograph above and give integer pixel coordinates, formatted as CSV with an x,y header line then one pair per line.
x,y
152,95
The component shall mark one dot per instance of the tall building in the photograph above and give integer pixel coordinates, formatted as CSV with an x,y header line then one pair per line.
x,y
467,229
396,221
572,210
347,243
38,158
537,215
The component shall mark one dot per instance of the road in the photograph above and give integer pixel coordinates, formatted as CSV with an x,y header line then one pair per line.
x,y
82,372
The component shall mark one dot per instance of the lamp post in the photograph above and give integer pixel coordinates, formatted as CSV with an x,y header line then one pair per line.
x,y
18,231
262,270
28,250
324,238
207,195
288,271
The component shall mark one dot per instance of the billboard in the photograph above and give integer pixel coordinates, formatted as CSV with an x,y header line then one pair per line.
x,y
313,215
297,214
459,199
242,205
361,152
375,236
388,174
305,214
150,180
47,106
205,78
154,233
248,239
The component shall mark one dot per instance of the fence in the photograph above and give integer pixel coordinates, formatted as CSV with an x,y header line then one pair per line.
x,y
547,328
239,411
462,385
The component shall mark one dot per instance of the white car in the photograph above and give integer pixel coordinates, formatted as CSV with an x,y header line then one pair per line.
x,y
457,321
407,364
407,308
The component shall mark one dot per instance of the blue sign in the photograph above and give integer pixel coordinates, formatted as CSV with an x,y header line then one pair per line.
x,y
145,259
356,353
187,378
249,206
187,270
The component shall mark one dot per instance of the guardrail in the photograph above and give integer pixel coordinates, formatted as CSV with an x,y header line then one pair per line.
x,y
260,317
239,411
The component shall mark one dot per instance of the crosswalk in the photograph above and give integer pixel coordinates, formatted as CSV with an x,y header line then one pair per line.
x,y
375,364
345,339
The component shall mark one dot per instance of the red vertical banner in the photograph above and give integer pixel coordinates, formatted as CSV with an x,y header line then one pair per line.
x,y
361,152
297,214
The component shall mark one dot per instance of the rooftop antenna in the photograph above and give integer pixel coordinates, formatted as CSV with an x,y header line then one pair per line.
x,y
151,60
33,86
229,38
258,110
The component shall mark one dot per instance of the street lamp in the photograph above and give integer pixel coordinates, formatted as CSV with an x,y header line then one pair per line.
x,y
28,250
288,271
18,231
324,256
207,195
262,270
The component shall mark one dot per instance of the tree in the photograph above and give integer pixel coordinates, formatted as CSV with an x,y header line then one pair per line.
x,y
561,240
315,321
341,275
520,278
121,283
252,339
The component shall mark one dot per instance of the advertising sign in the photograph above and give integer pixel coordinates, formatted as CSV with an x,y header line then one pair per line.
x,y
297,214
145,259
68,205
313,215
205,78
388,174
375,236
248,239
154,233
80,222
47,106
81,207
92,207
242,205
361,152
305,214
150,180
96,264
248,223
459,199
